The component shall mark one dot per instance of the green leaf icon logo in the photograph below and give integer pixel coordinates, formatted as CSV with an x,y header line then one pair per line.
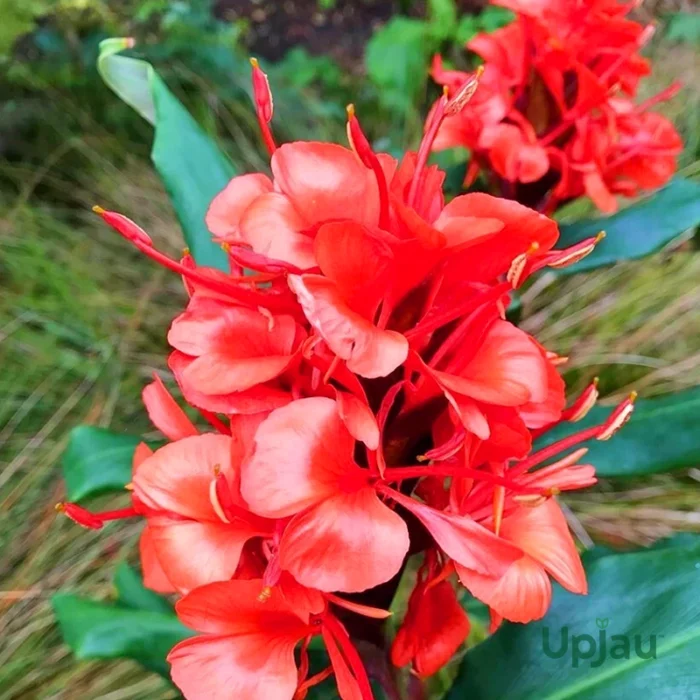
x,y
602,622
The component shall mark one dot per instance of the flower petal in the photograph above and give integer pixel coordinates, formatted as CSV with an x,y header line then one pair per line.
x,y
165,413
246,667
543,533
220,373
462,539
236,608
323,546
522,594
358,262
507,370
229,205
263,397
325,181
176,477
272,227
369,351
193,554
302,452
358,418
153,575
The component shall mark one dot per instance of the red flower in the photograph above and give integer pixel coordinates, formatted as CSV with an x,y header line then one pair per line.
x,y
435,625
547,121
367,401
303,466
246,646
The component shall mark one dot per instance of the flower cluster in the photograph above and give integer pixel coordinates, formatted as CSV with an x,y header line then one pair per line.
x,y
368,400
554,116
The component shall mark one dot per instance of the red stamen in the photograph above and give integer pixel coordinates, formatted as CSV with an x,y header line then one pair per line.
x,y
425,147
94,521
215,422
362,148
366,610
263,104
333,627
618,417
554,449
221,496
401,473
79,515
442,318
583,404
668,93
251,297
317,678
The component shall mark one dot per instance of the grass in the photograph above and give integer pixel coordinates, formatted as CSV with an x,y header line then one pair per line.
x,y
82,326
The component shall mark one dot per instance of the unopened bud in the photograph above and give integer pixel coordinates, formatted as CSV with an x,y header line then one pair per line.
x,y
125,226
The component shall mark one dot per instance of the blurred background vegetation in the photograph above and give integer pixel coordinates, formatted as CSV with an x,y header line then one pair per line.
x,y
83,318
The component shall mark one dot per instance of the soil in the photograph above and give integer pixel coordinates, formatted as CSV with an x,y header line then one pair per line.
x,y
341,31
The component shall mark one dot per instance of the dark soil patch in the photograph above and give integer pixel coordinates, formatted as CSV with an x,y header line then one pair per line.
x,y
342,31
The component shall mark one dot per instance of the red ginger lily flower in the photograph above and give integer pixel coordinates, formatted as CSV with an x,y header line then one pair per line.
x,y
246,646
303,467
546,120
198,525
229,358
435,625
374,314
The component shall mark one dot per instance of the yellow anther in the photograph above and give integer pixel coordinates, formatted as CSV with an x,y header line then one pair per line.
x,y
98,210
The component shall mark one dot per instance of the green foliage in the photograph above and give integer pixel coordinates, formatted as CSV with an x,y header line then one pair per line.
x,y
634,595
191,166
662,435
683,27
398,54
133,594
397,59
639,230
95,630
97,461
299,69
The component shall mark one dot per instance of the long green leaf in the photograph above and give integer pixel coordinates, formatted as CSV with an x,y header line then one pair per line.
x,y
663,434
191,166
96,630
133,594
639,230
97,461
646,598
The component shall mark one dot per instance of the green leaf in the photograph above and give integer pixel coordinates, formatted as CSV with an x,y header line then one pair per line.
x,y
96,461
663,434
684,27
96,630
397,60
639,230
191,166
443,18
133,594
647,597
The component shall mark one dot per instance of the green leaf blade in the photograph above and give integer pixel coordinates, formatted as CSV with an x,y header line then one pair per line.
x,y
639,230
97,461
662,435
637,594
95,630
189,163
133,594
